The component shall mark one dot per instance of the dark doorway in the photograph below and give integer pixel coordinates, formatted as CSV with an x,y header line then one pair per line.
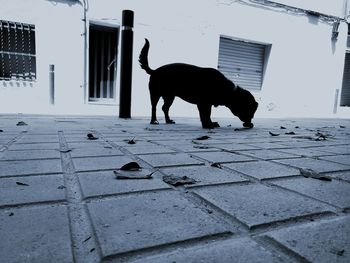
x,y
103,44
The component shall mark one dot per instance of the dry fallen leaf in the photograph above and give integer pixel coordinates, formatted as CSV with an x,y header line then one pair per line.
x,y
20,183
132,166
132,176
205,137
216,165
90,136
274,134
309,173
177,180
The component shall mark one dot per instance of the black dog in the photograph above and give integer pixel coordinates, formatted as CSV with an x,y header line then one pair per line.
x,y
202,86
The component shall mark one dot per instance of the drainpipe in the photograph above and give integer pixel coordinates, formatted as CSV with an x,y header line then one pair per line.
x,y
126,64
85,51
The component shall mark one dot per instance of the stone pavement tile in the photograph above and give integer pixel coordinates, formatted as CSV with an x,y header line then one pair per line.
x,y
234,250
337,149
39,234
88,144
210,141
263,169
39,139
38,189
29,167
169,159
323,242
95,151
144,220
341,175
104,183
34,146
315,164
306,152
342,159
147,149
302,143
256,205
100,163
138,142
268,154
268,145
334,192
30,155
173,143
205,175
223,157
233,147
191,147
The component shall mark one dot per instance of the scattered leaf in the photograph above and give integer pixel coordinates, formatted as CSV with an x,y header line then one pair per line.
x,y
177,180
21,123
290,133
132,166
338,252
131,141
11,214
20,183
108,147
61,187
321,136
274,134
132,176
309,173
87,239
1,130
65,150
202,138
341,126
91,250
283,128
216,165
90,136
296,127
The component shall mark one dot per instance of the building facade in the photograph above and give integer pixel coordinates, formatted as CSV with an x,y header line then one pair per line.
x,y
63,56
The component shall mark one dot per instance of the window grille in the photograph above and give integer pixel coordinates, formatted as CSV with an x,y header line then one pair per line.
x,y
17,51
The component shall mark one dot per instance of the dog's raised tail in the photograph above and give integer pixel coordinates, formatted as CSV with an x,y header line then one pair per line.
x,y
143,58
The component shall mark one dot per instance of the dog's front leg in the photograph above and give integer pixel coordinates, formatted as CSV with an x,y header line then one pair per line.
x,y
204,114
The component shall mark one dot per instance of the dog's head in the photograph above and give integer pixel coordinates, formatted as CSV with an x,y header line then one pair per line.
x,y
243,105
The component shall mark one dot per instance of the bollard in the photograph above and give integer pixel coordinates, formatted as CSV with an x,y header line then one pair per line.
x,y
127,36
52,83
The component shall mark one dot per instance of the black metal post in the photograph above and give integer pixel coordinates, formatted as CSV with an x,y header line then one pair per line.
x,y
126,64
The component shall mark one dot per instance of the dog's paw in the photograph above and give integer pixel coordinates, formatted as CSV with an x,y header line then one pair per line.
x,y
170,122
216,125
248,125
154,122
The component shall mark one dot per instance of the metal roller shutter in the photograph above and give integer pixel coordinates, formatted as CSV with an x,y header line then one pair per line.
x,y
345,92
242,62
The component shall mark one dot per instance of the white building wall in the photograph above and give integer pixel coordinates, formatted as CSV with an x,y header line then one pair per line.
x,y
303,72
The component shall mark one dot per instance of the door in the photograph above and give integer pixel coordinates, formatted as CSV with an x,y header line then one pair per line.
x,y
103,43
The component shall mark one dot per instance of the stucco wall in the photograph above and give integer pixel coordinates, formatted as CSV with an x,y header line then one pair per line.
x,y
303,72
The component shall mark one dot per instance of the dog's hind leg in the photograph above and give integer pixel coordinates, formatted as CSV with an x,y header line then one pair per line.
x,y
168,101
204,114
154,101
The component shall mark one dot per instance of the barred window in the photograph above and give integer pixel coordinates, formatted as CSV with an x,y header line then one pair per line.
x,y
17,51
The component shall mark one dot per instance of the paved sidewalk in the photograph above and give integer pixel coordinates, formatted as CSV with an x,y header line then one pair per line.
x,y
277,193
